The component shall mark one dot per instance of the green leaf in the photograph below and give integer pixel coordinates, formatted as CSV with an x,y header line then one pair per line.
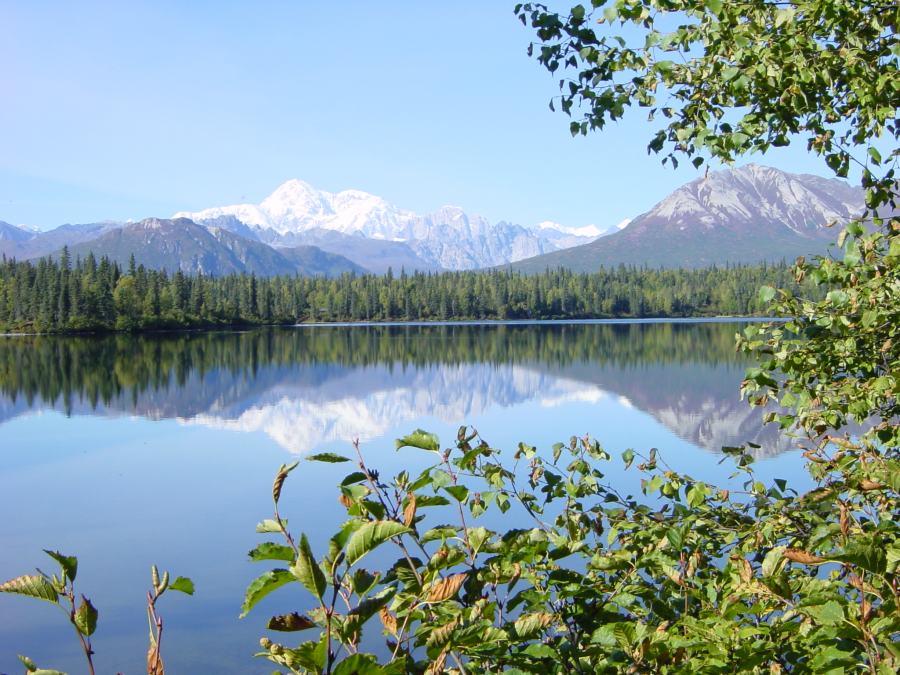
x,y
440,478
67,563
363,581
269,525
827,614
420,439
773,561
366,609
766,294
370,536
28,663
308,571
311,655
183,585
628,457
458,492
329,457
32,585
852,256
262,586
665,66
477,537
271,551
34,670
438,533
85,618
290,622
358,664
355,477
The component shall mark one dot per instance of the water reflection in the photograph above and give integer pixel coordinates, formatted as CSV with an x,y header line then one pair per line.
x,y
308,386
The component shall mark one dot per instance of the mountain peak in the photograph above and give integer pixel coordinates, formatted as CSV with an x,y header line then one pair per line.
x,y
737,215
291,190
293,199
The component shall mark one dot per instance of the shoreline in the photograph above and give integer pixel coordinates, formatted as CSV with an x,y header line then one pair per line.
x,y
416,323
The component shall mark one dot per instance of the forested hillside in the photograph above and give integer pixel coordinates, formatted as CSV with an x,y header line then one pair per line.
x,y
92,294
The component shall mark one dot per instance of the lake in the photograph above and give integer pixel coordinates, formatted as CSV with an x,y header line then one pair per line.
x,y
127,451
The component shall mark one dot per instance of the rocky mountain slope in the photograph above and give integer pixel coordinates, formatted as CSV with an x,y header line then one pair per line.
x,y
744,215
181,244
375,255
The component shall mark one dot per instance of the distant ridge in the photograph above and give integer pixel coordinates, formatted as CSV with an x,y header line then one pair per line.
x,y
746,215
180,244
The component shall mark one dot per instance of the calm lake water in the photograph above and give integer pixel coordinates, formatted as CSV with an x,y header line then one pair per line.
x,y
127,451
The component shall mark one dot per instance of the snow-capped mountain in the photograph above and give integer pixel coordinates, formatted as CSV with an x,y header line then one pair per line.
x,y
566,237
447,238
742,215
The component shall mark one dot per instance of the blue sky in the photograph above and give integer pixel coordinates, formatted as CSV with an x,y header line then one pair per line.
x,y
116,110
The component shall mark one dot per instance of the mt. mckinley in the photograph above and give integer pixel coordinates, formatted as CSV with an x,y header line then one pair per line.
x,y
297,213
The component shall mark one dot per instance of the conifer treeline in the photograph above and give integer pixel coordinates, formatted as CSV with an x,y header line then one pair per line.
x,y
91,294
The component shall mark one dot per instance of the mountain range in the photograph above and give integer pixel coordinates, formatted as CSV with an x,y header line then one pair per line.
x,y
744,215
448,238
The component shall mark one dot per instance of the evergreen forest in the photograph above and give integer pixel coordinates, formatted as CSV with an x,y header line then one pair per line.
x,y
90,294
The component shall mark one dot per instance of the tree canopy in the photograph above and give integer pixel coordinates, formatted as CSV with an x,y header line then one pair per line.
x,y
724,79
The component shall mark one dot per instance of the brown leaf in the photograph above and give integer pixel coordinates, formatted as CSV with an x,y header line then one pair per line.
x,y
442,634
802,557
438,665
277,484
409,513
290,622
861,585
845,520
388,620
154,661
744,569
867,485
446,588
345,500
865,609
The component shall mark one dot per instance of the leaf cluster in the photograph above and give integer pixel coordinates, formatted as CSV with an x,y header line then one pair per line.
x,y
683,578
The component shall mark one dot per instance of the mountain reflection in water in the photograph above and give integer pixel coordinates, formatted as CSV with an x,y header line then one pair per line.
x,y
309,385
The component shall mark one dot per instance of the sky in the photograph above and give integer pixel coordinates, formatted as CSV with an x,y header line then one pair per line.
x,y
125,110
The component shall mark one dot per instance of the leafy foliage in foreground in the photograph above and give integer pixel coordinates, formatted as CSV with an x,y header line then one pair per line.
x,y
59,590
685,578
